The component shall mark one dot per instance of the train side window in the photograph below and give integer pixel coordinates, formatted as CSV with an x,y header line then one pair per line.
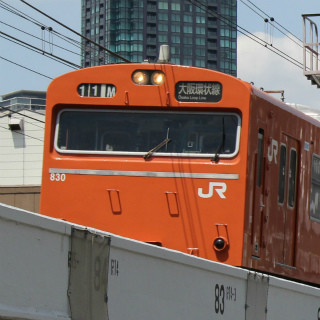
x,y
315,189
282,173
292,178
260,157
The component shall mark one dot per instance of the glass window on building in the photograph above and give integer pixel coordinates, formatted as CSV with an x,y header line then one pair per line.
x,y
163,5
224,43
187,29
200,41
162,27
187,18
200,52
187,40
136,47
175,60
187,61
200,30
175,17
187,51
188,8
163,38
175,39
200,19
137,58
175,27
163,16
175,50
200,63
175,6
225,32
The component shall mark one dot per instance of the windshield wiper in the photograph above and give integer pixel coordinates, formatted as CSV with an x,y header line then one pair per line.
x,y
221,145
156,148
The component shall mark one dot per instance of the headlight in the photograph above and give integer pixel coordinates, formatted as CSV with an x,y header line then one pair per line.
x,y
157,78
148,77
140,77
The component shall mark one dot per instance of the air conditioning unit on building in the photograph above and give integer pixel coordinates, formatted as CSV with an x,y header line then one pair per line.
x,y
15,124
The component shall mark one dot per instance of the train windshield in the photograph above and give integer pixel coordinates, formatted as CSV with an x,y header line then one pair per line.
x,y
144,133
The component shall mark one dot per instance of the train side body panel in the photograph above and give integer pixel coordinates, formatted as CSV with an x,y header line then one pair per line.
x,y
281,234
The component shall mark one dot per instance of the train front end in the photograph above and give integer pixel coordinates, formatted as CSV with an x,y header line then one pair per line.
x,y
153,152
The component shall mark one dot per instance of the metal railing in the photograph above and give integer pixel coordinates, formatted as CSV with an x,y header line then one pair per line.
x,y
311,47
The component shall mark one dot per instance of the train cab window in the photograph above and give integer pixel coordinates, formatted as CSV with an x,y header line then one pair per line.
x,y
315,189
292,178
282,173
200,134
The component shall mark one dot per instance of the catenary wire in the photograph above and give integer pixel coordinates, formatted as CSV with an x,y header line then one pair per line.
x,y
77,33
18,112
22,133
21,66
38,50
33,36
43,27
20,14
272,22
247,33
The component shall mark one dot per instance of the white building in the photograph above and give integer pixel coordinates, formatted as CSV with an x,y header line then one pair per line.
x,y
22,116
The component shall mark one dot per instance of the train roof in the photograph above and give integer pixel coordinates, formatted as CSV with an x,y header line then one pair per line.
x,y
307,113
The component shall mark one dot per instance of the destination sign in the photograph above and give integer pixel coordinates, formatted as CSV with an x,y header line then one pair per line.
x,y
97,90
187,91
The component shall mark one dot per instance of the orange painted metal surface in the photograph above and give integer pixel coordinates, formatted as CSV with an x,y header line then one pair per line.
x,y
187,202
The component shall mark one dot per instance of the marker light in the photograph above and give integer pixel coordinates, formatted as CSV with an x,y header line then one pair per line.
x,y
157,78
140,78
219,244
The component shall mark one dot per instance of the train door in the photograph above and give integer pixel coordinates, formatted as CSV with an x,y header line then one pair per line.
x,y
259,196
287,190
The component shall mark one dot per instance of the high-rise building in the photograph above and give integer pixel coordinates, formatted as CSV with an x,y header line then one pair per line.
x,y
200,33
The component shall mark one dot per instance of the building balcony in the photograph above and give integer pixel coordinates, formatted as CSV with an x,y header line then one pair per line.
x,y
212,34
212,56
152,7
152,19
151,52
152,30
151,41
212,45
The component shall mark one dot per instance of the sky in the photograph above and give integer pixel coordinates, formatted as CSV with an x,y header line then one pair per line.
x,y
256,63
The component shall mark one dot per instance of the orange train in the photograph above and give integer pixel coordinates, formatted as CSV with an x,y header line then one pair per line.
x,y
189,159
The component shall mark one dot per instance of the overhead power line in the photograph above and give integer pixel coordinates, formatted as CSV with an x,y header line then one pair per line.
x,y
22,133
21,66
38,50
268,19
18,112
41,39
44,28
289,32
77,33
246,33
